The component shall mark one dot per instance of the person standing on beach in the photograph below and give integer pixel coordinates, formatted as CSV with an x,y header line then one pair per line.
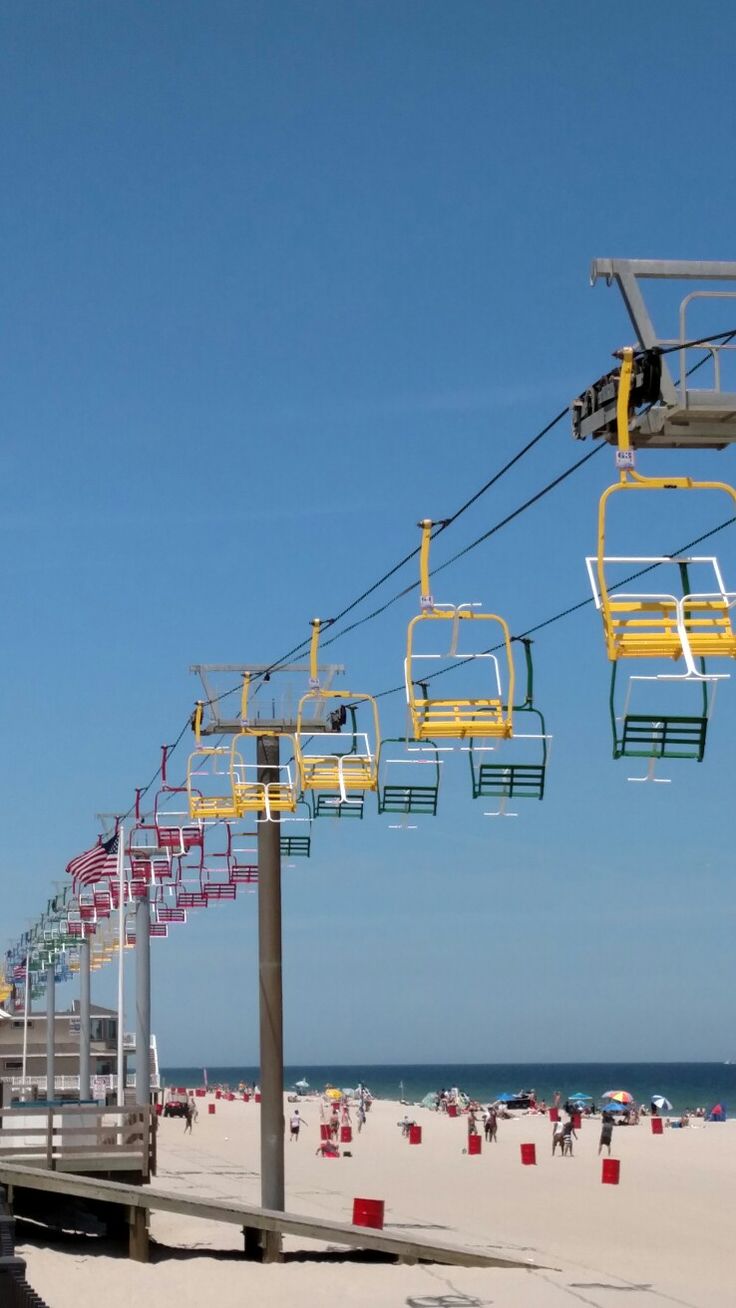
x,y
188,1117
606,1133
558,1137
361,1117
490,1126
294,1125
568,1131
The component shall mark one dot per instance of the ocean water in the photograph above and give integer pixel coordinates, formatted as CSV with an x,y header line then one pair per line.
x,y
686,1085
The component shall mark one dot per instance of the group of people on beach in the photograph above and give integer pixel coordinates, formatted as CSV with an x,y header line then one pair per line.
x,y
335,1114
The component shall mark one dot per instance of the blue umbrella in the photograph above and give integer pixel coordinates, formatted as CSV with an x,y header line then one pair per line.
x,y
579,1095
616,1108
505,1098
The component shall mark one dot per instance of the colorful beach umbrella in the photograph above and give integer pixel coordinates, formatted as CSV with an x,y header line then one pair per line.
x,y
619,1096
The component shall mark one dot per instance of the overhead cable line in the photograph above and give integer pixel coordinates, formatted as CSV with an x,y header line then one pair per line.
x,y
442,526
572,608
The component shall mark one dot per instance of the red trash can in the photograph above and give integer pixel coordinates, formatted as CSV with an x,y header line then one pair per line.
x,y
415,1134
529,1155
211,1108
611,1171
200,1093
257,1098
452,1110
324,1131
657,1126
554,1114
218,1094
473,1144
577,1121
346,1134
368,1212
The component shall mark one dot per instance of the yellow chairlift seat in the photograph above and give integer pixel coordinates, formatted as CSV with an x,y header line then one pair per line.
x,y
251,793
224,784
209,778
645,624
336,762
487,716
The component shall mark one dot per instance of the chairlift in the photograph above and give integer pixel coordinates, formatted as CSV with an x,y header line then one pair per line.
x,y
175,833
209,776
682,626
482,717
338,764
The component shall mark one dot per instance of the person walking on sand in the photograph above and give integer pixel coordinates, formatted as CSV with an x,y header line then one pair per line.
x,y
188,1118
361,1118
568,1131
490,1126
294,1125
558,1137
606,1133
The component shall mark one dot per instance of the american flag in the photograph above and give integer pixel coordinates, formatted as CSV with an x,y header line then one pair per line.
x,y
19,972
96,863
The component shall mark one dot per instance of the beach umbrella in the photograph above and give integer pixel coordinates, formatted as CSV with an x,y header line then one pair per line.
x,y
505,1098
619,1096
615,1108
661,1103
333,1094
579,1095
302,1085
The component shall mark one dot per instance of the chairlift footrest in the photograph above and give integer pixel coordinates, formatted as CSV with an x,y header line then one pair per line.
x,y
395,798
673,736
296,846
509,781
329,805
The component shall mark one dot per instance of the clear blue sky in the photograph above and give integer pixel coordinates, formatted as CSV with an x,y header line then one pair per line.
x,y
278,280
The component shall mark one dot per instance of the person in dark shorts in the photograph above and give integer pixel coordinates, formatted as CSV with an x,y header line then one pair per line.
x,y
295,1124
606,1133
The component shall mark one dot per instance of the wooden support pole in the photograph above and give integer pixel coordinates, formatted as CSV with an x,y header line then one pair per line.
x,y
138,1248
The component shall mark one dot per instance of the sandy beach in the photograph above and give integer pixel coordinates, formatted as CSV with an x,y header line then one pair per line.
x,y
667,1230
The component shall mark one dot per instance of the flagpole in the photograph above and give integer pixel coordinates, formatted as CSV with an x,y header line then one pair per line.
x,y
121,962
25,1026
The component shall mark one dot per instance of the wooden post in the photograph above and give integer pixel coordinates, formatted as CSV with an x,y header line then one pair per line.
x,y
138,1234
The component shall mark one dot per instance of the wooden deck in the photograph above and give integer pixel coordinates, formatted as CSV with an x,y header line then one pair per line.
x,y
258,1224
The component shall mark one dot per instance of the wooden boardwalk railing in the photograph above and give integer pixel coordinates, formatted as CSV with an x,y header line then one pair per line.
x,y
140,1201
78,1137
